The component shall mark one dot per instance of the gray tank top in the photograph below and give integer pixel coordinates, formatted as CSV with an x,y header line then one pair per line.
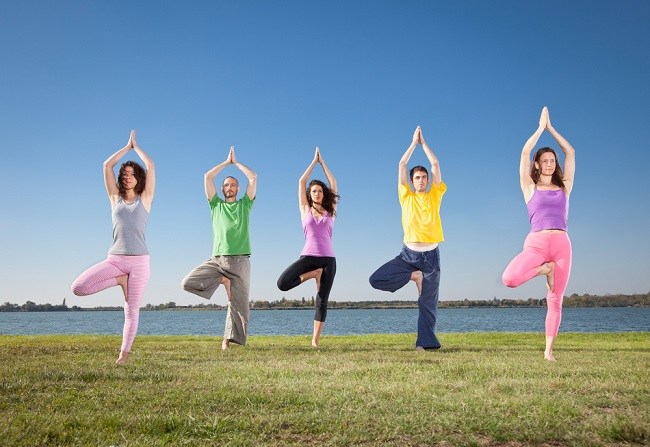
x,y
129,225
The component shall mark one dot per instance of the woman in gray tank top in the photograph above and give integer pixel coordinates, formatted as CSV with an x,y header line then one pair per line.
x,y
127,264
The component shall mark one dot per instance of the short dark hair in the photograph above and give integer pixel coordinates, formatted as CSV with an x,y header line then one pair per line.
x,y
418,168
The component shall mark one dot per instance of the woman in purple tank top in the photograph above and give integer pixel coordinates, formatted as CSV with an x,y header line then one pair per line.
x,y
547,248
317,205
127,264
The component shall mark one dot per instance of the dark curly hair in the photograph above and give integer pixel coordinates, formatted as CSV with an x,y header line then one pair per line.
x,y
535,173
329,197
138,172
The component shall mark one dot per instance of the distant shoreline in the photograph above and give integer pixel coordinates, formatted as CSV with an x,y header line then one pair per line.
x,y
575,300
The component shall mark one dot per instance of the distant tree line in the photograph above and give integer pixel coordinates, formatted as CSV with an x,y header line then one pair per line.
x,y
575,300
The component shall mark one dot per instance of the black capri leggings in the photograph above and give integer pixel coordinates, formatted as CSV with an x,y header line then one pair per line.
x,y
290,278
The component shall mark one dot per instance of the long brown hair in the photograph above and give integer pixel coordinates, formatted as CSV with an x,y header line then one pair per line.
x,y
535,173
138,172
329,197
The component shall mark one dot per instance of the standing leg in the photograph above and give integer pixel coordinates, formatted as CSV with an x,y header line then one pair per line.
x,y
561,253
428,300
139,272
322,297
237,268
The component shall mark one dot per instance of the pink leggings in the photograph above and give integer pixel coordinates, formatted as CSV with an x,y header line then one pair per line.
x,y
540,248
104,275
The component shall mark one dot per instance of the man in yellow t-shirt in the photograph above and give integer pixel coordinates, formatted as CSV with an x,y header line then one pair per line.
x,y
419,260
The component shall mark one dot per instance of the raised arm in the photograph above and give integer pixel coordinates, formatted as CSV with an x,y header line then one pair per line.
x,y
150,185
303,203
525,180
436,175
569,168
110,182
403,174
330,177
208,178
251,188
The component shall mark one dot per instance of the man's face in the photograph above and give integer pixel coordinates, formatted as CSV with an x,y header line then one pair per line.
x,y
420,181
230,188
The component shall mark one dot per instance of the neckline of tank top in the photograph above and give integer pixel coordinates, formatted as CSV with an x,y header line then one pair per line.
x,y
131,203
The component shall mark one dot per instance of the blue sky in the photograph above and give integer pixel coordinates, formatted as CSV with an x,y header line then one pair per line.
x,y
276,79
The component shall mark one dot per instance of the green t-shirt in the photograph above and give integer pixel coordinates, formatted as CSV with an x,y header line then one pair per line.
x,y
230,235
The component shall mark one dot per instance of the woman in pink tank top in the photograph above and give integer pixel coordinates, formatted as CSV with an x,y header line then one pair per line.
x,y
547,248
317,204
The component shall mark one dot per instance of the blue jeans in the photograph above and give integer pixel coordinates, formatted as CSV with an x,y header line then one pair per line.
x,y
396,273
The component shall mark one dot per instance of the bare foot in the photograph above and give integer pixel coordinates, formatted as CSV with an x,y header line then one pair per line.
x,y
121,360
548,269
225,344
123,282
318,329
316,274
549,356
416,276
226,285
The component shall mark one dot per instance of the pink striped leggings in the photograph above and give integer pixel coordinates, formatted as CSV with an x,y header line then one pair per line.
x,y
540,248
104,275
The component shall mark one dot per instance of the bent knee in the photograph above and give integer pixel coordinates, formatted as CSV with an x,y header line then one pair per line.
x,y
508,281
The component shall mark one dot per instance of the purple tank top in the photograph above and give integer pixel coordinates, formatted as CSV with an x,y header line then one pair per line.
x,y
548,210
318,235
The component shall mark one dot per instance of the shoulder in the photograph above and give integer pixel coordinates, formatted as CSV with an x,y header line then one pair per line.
x,y
404,190
438,188
215,200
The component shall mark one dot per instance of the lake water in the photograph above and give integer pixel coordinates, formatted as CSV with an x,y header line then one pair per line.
x,y
339,322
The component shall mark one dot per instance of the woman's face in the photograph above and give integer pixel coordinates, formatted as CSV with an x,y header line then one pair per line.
x,y
128,178
546,163
316,194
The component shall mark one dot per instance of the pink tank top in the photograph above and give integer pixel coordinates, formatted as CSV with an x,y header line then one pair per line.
x,y
548,210
318,235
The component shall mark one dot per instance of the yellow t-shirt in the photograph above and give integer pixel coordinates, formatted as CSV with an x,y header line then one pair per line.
x,y
421,213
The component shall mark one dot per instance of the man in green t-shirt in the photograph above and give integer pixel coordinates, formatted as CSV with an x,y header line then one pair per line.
x,y
230,261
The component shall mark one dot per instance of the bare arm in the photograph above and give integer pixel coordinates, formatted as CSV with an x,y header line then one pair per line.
x,y
569,168
525,180
110,182
303,203
330,177
403,174
150,185
251,188
436,175
208,178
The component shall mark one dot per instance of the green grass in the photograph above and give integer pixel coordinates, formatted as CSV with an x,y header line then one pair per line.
x,y
481,389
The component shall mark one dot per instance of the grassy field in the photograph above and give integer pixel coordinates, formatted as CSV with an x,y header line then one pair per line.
x,y
481,389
